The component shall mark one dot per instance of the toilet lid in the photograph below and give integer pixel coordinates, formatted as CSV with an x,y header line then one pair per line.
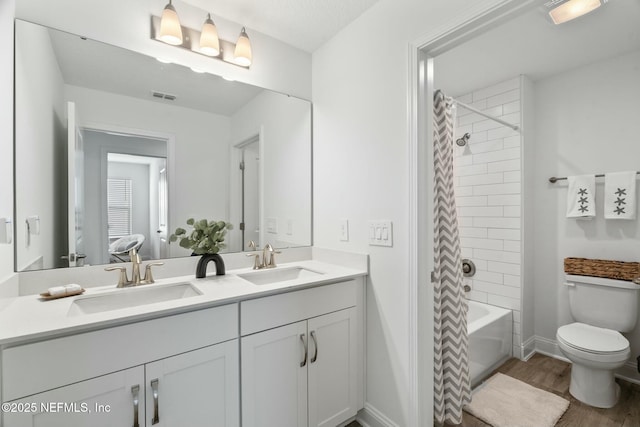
x,y
592,339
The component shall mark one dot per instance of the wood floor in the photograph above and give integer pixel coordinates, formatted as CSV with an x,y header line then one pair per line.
x,y
553,375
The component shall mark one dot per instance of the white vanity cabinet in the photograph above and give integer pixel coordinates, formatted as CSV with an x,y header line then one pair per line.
x,y
298,373
110,400
164,370
198,388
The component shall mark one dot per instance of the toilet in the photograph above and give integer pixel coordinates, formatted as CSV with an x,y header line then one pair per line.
x,y
601,308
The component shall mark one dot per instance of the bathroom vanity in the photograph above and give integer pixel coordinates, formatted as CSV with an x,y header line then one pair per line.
x,y
274,347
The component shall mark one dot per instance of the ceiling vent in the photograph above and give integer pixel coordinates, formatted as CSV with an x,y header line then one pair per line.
x,y
161,95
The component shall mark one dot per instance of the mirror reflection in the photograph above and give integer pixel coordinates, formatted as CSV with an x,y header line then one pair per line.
x,y
114,149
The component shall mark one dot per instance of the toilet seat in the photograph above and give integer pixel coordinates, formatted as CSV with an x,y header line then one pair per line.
x,y
591,340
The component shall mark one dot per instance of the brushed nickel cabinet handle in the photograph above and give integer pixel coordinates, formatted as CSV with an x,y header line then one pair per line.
x,y
306,351
135,392
315,343
154,389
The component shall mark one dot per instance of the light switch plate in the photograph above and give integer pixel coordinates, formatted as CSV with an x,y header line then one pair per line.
x,y
272,225
6,232
381,233
344,230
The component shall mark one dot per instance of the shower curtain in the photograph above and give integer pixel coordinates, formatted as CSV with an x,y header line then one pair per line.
x,y
451,362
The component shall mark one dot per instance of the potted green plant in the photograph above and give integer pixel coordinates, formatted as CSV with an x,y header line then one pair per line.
x,y
206,239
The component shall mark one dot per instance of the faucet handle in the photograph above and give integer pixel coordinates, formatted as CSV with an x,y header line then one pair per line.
x,y
256,260
148,277
272,258
252,245
123,280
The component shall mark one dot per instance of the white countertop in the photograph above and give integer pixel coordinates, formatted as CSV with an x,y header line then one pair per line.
x,y
29,318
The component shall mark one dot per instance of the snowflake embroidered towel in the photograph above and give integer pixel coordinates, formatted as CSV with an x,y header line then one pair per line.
x,y
620,195
581,201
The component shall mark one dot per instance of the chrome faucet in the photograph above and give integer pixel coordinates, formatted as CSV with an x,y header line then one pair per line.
x,y
123,279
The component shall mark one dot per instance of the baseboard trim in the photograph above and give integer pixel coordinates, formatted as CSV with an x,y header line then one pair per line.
x,y
528,348
370,416
628,372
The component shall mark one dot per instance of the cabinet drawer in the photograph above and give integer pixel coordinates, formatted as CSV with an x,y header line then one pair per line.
x,y
33,368
277,310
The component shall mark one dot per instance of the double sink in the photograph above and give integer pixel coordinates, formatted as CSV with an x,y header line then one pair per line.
x,y
150,294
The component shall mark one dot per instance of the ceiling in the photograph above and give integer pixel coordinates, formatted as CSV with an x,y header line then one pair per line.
x,y
531,45
99,66
305,24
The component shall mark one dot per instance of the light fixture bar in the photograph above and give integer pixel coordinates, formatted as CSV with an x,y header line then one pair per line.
x,y
191,42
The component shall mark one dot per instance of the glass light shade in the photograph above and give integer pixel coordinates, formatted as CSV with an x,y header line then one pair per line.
x,y
242,53
573,9
170,30
209,43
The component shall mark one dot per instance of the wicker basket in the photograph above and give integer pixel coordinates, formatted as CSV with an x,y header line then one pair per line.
x,y
602,268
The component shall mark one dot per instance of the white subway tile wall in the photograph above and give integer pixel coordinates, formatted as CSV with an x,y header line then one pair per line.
x,y
488,197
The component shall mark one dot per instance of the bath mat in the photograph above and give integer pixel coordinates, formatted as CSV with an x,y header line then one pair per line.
x,y
503,401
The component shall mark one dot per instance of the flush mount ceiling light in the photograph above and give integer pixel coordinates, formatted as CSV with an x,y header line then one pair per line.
x,y
243,49
167,29
170,29
209,42
564,11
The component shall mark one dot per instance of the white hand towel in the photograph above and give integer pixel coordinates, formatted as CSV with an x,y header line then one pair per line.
x,y
57,291
72,288
620,195
581,201
64,290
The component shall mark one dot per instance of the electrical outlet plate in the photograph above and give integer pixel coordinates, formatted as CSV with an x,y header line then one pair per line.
x,y
344,230
381,233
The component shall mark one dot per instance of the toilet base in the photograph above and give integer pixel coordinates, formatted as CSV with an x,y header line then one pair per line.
x,y
595,387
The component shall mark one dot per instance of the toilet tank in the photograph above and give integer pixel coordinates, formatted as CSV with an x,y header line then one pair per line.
x,y
606,303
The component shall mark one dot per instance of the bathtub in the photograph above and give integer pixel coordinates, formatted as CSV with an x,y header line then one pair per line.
x,y
490,339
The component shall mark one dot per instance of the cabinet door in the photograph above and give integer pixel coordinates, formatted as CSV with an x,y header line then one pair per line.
x,y
198,388
274,377
106,401
332,368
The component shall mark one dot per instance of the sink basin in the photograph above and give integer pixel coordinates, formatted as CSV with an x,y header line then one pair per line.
x,y
266,277
131,297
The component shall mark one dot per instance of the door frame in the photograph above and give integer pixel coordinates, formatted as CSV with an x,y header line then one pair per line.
x,y
420,88
169,139
235,183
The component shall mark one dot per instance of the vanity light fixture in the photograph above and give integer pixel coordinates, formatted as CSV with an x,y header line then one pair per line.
x,y
206,42
243,49
170,28
209,42
571,9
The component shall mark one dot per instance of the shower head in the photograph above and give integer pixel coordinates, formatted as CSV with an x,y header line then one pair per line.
x,y
463,141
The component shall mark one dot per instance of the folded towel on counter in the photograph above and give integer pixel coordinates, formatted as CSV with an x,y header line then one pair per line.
x,y
64,290
581,201
620,195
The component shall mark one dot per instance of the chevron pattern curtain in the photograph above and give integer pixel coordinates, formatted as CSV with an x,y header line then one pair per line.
x,y
451,364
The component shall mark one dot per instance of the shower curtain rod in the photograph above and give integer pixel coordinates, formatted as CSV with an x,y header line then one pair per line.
x,y
470,108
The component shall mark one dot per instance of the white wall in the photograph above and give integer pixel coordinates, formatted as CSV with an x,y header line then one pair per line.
x,y
6,140
586,122
200,181
41,155
361,173
489,196
125,23
285,163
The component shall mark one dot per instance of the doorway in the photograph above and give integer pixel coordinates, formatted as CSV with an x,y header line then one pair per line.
x,y
249,226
